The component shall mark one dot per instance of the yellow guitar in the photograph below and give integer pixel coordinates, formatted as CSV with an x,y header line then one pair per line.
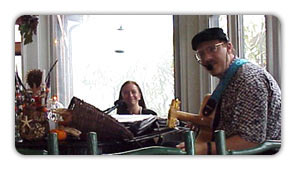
x,y
204,122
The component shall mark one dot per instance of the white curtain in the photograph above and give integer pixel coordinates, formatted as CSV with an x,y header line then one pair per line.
x,y
62,52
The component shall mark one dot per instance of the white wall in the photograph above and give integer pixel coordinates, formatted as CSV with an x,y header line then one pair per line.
x,y
36,54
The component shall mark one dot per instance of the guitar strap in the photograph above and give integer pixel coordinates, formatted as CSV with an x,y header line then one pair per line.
x,y
216,95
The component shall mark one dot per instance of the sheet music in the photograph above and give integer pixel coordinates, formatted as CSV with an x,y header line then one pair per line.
x,y
130,118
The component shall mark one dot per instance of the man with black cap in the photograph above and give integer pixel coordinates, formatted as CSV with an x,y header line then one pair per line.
x,y
247,99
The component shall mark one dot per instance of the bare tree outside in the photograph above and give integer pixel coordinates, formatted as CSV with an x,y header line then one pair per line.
x,y
255,39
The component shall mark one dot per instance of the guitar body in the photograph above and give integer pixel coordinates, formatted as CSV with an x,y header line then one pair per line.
x,y
205,123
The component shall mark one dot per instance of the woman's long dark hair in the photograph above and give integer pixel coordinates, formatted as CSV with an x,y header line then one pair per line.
x,y
123,108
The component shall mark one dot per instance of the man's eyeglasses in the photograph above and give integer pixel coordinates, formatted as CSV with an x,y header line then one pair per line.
x,y
207,50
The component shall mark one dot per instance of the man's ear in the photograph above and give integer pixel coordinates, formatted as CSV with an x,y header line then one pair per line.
x,y
229,47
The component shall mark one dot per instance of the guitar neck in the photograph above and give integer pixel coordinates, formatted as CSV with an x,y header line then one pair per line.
x,y
196,119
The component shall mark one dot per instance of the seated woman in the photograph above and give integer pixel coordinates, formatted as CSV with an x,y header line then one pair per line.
x,y
132,97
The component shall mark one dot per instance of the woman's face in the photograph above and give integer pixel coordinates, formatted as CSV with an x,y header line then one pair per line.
x,y
131,94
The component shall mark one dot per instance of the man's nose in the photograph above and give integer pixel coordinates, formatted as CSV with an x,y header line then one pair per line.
x,y
207,58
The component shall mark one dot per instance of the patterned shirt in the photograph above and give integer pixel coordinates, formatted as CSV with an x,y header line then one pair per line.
x,y
250,106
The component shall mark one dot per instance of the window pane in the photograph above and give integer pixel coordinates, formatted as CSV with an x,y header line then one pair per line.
x,y
108,50
218,21
223,23
18,58
17,34
255,39
18,65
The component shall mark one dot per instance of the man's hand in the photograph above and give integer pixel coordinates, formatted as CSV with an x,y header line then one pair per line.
x,y
181,146
200,147
192,127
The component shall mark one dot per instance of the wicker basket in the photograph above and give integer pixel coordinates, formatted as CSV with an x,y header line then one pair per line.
x,y
87,118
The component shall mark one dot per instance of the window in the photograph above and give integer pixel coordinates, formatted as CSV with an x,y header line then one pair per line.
x,y
18,57
250,31
223,23
218,21
255,39
252,38
107,50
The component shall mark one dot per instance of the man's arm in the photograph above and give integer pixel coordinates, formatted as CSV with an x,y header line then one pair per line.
x,y
232,143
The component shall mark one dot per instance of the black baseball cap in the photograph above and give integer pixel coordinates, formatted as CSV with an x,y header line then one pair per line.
x,y
209,34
